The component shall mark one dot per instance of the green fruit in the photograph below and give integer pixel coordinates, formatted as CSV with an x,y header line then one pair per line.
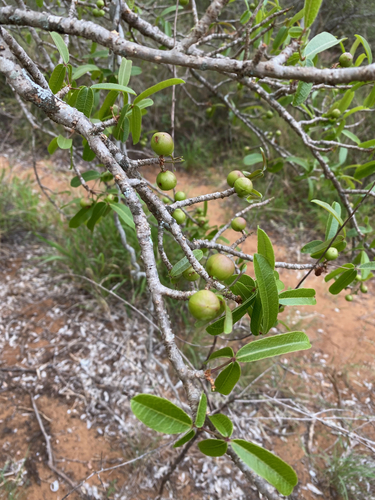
x,y
246,149
101,13
349,298
359,277
243,187
269,114
281,309
238,224
165,200
179,216
162,144
100,4
335,113
252,6
364,288
184,3
220,266
106,177
204,305
346,60
239,86
332,254
85,202
233,176
180,196
278,133
166,180
95,12
190,274
199,210
143,143
109,198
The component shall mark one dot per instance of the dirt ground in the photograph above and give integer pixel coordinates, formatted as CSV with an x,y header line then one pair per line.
x,y
82,367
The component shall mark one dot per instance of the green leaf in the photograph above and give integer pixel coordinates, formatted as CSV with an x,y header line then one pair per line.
x,y
370,99
265,247
298,297
80,217
213,447
338,271
124,213
187,437
52,146
280,37
39,3
160,414
136,124
343,281
366,46
57,78
201,411
332,224
364,259
228,378
113,86
256,316
88,154
156,88
90,175
228,320
61,47
273,346
225,352
125,130
82,70
295,32
367,144
120,123
267,465
311,10
319,43
184,264
309,247
333,212
351,136
145,103
318,250
99,210
345,101
64,143
85,100
217,327
108,102
267,290
302,92
245,286
222,423
124,72
253,159
245,17
370,266
364,170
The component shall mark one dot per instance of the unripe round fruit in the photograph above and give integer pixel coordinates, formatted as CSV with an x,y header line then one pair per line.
x,y
243,187
332,254
239,86
101,13
180,196
95,12
190,274
179,216
364,288
165,200
204,305
335,113
220,266
281,309
162,144
166,180
85,202
115,109
349,298
246,149
233,176
346,60
269,114
109,198
184,3
278,133
100,4
359,277
252,6
106,177
238,224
